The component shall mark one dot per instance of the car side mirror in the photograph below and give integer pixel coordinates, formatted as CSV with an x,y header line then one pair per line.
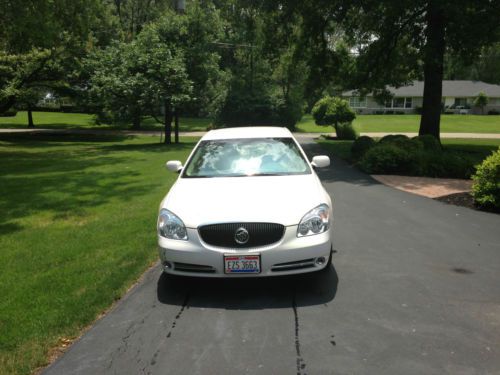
x,y
174,166
320,161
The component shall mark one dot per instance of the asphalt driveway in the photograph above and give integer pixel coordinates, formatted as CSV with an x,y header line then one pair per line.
x,y
415,289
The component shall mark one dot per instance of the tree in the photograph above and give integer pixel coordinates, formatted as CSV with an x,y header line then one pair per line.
x,y
332,111
400,41
481,100
41,43
141,78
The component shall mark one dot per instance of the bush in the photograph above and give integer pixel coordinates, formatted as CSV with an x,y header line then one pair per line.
x,y
9,113
361,146
446,165
493,112
390,159
346,131
486,187
332,111
401,141
428,142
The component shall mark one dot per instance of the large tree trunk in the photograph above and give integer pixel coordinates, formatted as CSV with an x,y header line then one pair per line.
x,y
176,128
433,70
136,121
31,124
168,122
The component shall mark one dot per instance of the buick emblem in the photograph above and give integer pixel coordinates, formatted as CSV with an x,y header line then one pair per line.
x,y
241,236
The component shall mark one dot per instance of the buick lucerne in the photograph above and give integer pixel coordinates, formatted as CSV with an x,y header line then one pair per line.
x,y
247,203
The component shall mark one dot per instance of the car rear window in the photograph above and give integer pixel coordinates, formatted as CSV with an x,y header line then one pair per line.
x,y
246,157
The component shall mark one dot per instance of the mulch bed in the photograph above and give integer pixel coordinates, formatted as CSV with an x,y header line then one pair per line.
x,y
461,199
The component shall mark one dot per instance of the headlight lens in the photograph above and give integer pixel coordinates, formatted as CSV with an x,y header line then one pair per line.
x,y
315,221
170,226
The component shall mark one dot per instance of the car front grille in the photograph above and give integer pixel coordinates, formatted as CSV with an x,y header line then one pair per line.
x,y
224,235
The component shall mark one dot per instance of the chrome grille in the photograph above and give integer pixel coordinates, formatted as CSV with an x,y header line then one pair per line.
x,y
259,234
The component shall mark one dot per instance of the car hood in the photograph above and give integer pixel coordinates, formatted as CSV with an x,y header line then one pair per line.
x,y
274,199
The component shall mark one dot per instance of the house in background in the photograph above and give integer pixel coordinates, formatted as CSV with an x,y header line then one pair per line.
x,y
458,97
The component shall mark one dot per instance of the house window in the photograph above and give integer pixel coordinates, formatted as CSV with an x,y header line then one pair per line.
x,y
398,102
357,102
460,102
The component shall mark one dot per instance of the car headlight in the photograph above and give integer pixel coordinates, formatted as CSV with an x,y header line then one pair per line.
x,y
170,226
315,221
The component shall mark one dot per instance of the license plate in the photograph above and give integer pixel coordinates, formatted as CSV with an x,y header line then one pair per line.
x,y
242,263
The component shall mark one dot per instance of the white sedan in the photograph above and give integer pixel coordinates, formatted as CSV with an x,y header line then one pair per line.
x,y
247,203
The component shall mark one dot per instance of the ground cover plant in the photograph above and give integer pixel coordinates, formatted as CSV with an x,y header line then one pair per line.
x,y
61,120
77,227
410,124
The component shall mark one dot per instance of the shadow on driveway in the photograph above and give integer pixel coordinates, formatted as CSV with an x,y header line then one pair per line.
x,y
249,293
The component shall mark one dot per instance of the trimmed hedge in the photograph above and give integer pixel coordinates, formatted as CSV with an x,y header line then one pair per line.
x,y
486,187
420,156
429,142
361,146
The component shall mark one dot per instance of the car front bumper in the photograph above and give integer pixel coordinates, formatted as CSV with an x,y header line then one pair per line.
x,y
291,255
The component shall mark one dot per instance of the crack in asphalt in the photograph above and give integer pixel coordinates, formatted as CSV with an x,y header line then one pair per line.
x,y
179,314
301,364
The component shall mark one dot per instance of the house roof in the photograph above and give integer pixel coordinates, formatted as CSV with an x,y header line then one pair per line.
x,y
450,89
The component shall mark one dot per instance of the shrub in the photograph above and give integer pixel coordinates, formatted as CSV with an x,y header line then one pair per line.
x,y
493,112
401,141
8,113
361,146
332,111
446,165
486,187
429,142
390,159
346,131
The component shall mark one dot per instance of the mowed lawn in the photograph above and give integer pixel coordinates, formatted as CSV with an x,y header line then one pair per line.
x,y
410,123
77,228
59,120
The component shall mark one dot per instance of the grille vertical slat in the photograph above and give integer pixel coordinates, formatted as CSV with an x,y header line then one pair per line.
x,y
260,234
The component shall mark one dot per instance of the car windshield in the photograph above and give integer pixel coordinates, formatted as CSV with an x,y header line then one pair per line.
x,y
246,157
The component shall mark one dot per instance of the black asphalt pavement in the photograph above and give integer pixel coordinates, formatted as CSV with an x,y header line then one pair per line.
x,y
415,289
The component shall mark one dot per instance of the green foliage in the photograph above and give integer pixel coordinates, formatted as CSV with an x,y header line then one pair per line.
x,y
41,44
346,131
401,141
361,146
481,100
396,154
389,159
486,187
332,111
428,142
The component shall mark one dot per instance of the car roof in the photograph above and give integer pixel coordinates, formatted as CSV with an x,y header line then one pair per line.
x,y
248,132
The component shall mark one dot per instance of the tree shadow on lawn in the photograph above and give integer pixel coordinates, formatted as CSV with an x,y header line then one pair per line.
x,y
45,139
65,182
249,293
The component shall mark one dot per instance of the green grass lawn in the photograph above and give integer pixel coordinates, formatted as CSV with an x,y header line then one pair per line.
x,y
475,149
77,227
410,123
59,120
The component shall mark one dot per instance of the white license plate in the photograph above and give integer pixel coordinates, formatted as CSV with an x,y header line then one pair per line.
x,y
242,263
